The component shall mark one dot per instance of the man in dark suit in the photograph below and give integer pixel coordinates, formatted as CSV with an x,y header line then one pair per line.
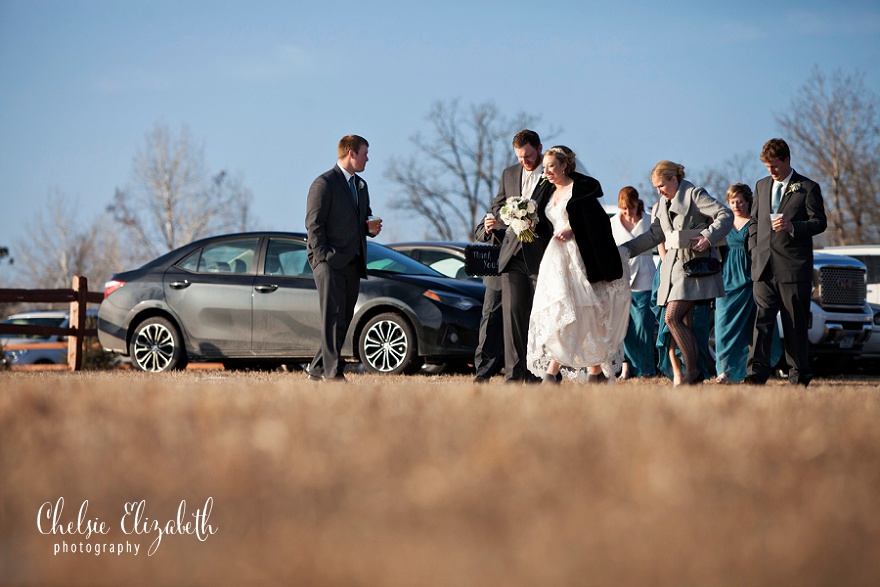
x,y
782,261
338,222
489,356
518,262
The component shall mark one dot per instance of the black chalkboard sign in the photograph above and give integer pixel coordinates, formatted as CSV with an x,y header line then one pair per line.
x,y
480,260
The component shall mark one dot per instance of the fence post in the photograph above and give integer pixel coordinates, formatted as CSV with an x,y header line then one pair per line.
x,y
77,321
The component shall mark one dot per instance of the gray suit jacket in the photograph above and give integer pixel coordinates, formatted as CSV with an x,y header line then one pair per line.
x,y
789,257
531,253
337,229
692,208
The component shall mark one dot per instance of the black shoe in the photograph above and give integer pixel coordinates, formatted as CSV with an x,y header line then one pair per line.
x,y
550,379
754,380
481,379
696,381
804,382
597,378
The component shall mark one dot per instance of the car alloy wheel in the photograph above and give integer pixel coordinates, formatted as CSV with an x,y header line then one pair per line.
x,y
387,345
157,346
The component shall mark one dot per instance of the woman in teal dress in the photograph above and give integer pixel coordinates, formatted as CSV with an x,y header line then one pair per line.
x,y
735,312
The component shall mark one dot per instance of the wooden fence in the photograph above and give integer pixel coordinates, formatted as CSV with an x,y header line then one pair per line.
x,y
78,296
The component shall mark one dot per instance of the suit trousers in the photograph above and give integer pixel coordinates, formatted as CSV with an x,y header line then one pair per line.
x,y
489,357
338,292
792,301
517,294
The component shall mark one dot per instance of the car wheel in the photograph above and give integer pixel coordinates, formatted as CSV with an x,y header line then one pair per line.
x,y
157,346
387,344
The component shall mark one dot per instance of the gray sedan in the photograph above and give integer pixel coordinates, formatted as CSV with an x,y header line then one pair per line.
x,y
250,298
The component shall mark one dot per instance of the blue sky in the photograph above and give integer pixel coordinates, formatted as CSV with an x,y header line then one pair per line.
x,y
269,87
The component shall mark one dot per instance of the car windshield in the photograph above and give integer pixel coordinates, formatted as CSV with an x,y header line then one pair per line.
x,y
381,258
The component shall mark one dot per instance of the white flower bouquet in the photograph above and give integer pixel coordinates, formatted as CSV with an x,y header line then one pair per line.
x,y
520,215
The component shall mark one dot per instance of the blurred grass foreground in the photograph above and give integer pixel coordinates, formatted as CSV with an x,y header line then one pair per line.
x,y
435,481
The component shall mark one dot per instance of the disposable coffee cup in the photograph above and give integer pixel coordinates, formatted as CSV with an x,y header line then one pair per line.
x,y
774,218
372,219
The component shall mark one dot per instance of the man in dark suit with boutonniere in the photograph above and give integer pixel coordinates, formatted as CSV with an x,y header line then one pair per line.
x,y
788,212
338,220
518,262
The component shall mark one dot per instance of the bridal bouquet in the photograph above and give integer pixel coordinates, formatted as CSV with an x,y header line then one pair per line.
x,y
520,215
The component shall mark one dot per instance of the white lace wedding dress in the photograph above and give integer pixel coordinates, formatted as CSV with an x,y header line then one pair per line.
x,y
576,322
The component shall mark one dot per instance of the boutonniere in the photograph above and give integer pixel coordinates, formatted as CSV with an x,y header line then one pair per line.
x,y
543,179
360,185
793,188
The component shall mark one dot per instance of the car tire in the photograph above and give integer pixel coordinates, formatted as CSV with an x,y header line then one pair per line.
x,y
387,344
157,346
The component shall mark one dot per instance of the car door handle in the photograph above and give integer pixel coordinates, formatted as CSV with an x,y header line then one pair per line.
x,y
265,288
180,284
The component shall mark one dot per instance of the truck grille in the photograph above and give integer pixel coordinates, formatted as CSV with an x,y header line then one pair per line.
x,y
842,286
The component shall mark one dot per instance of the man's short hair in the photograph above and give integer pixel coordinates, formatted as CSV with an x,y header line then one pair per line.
x,y
526,137
775,149
350,143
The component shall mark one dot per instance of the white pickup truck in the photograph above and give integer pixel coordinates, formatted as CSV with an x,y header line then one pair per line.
x,y
840,319
869,357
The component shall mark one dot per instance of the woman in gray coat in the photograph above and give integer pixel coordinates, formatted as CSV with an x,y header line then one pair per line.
x,y
684,207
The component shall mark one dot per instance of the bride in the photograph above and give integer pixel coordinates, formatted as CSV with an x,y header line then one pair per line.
x,y
581,309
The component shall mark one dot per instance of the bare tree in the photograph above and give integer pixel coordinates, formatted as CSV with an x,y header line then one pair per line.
x,y
58,247
453,175
173,199
5,259
834,125
743,168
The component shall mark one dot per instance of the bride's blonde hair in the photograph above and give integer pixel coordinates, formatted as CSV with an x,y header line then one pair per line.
x,y
564,155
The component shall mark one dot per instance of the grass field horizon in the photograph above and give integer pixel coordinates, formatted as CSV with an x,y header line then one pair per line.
x,y
433,480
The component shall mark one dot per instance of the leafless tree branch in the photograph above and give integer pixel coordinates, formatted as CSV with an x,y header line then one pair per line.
x,y
453,177
173,199
835,126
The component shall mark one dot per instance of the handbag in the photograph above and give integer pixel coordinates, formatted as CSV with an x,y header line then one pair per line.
x,y
701,267
481,259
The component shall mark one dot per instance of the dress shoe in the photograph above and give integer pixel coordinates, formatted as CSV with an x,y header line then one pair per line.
x,y
700,378
754,380
804,382
481,379
597,378
316,378
550,379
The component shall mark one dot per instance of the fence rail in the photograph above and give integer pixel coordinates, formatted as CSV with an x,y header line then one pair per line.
x,y
78,296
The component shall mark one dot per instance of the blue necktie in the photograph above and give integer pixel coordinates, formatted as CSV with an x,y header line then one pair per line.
x,y
354,192
777,196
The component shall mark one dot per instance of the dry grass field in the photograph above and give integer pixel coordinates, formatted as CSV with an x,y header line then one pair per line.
x,y
435,481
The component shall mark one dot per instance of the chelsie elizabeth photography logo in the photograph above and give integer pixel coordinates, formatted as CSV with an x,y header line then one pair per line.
x,y
134,523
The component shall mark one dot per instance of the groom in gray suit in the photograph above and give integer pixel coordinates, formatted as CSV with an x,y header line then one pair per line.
x,y
781,249
518,262
337,213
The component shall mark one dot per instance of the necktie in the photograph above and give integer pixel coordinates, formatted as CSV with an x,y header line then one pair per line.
x,y
528,184
354,192
777,195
